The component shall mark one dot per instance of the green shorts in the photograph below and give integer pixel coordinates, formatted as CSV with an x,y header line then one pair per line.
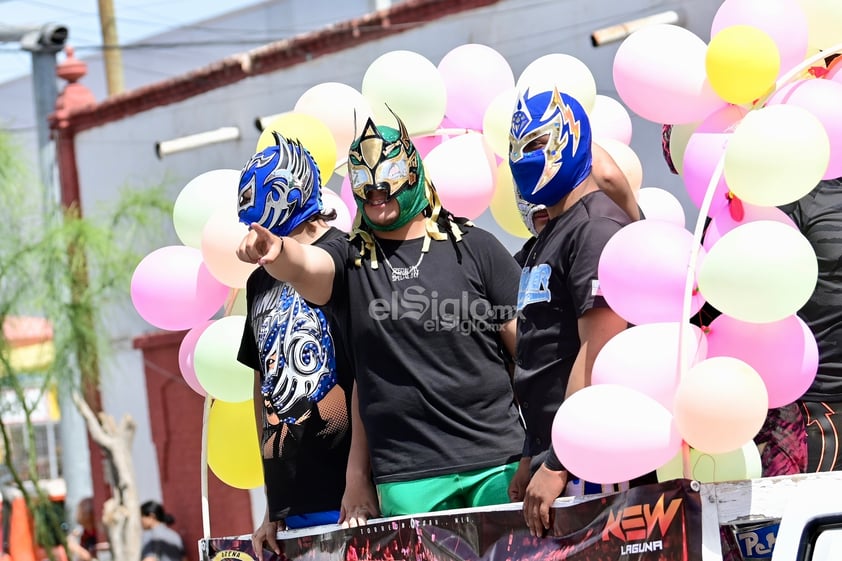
x,y
482,487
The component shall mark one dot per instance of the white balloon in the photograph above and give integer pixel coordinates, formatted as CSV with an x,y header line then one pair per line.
x,y
660,204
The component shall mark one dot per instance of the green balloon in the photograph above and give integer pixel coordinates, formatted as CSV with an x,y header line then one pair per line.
x,y
215,361
739,464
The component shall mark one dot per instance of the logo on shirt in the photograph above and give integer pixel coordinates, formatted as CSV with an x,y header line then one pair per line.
x,y
297,352
534,285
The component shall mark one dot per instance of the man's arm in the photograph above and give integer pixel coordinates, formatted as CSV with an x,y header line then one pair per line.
x,y
611,179
596,327
359,503
309,269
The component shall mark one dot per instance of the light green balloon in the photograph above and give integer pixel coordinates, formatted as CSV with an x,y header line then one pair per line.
x,y
776,155
215,361
759,272
411,86
739,464
202,197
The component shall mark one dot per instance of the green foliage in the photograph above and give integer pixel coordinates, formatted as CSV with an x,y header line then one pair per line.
x,y
61,266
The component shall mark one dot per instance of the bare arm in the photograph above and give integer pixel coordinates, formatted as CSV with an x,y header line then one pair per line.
x,y
596,327
359,503
611,179
309,269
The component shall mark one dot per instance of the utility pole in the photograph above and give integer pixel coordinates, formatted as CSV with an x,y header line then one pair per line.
x,y
44,42
111,46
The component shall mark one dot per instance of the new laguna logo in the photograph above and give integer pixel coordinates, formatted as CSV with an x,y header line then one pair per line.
x,y
641,527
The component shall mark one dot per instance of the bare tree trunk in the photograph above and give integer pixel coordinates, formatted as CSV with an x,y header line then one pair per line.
x,y
121,513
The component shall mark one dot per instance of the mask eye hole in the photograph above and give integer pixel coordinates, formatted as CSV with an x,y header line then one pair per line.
x,y
537,144
360,177
246,197
392,172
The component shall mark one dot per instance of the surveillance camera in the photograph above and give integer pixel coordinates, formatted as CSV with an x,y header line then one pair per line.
x,y
49,38
53,35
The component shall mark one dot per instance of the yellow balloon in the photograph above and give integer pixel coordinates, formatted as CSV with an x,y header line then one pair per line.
x,y
233,451
235,304
742,63
314,135
503,204
497,122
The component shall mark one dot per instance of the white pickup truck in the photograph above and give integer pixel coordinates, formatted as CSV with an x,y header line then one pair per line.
x,y
788,518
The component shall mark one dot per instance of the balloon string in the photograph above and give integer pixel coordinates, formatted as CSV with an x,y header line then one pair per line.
x,y
232,301
699,231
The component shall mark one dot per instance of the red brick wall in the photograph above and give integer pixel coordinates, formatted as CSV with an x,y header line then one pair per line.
x,y
175,416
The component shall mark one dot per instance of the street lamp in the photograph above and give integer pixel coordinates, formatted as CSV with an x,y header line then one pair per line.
x,y
43,42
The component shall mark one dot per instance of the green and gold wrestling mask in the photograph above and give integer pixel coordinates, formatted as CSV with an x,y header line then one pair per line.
x,y
384,159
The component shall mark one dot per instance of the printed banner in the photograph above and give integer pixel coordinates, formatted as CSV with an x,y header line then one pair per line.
x,y
647,523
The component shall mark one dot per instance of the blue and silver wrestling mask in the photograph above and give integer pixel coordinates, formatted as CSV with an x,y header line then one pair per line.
x,y
546,175
280,187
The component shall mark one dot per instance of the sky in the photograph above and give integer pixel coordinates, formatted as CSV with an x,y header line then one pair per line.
x,y
136,20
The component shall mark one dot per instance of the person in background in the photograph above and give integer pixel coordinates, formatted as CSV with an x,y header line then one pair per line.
x,y
564,321
159,542
429,306
808,439
301,369
83,541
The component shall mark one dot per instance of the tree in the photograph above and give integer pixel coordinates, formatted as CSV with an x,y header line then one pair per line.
x,y
57,265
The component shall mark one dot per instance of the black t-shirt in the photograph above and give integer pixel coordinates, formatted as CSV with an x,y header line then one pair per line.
x,y
819,217
435,396
558,285
525,250
306,385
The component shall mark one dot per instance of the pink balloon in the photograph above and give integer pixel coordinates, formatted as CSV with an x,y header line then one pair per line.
x,y
783,20
172,288
728,217
822,99
703,152
642,272
347,195
659,72
784,353
608,433
426,143
185,357
645,358
473,76
462,169
344,219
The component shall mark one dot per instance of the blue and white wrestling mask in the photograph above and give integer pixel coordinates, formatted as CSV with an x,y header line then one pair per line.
x,y
280,188
548,173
